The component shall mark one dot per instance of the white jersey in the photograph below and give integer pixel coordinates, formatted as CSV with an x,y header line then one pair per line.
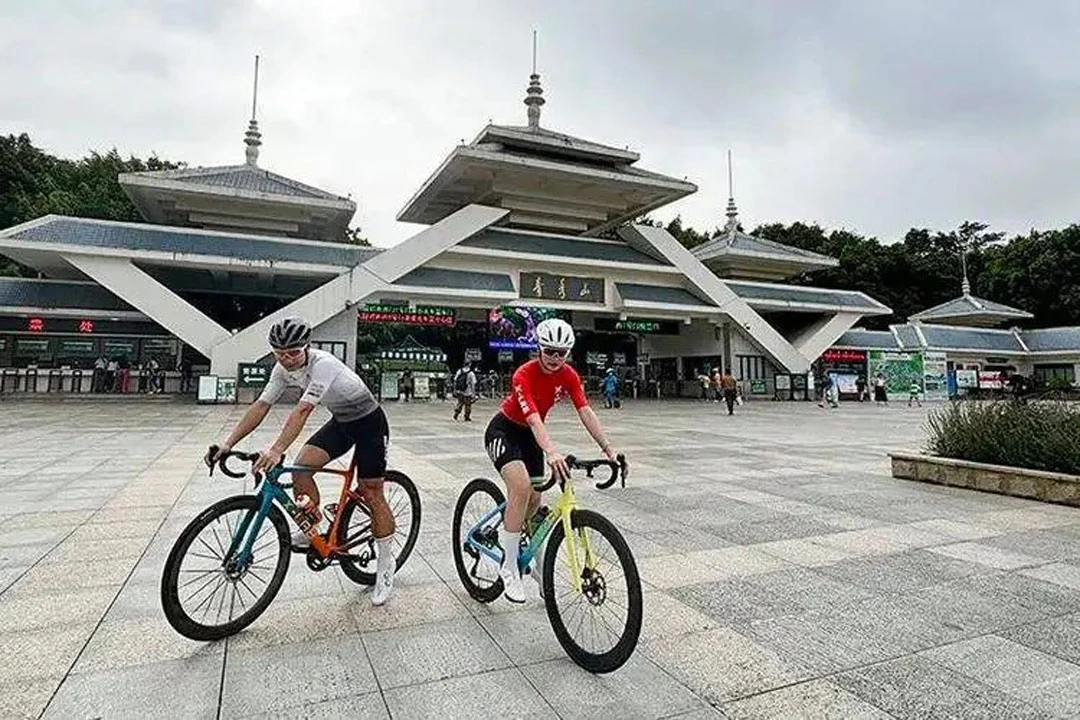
x,y
325,380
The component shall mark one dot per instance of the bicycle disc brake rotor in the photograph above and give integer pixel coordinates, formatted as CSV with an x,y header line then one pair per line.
x,y
593,587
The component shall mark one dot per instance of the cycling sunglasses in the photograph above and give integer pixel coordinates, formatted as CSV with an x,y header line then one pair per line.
x,y
555,352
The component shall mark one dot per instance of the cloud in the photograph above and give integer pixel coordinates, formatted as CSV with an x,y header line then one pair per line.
x,y
871,116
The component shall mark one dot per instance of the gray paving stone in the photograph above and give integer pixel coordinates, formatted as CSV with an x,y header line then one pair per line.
x,y
26,612
409,605
1064,574
1006,665
901,572
124,641
1042,597
817,699
25,699
41,652
637,689
293,676
917,688
721,664
422,653
782,528
526,637
499,693
187,688
1059,636
988,555
369,706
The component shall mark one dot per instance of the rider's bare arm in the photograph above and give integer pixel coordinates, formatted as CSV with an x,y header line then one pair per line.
x,y
592,424
251,420
539,431
293,425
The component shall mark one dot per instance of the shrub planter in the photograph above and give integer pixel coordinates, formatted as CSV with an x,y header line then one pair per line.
x,y
1002,479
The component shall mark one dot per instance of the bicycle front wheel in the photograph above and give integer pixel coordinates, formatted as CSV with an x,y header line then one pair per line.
x,y
599,626
208,592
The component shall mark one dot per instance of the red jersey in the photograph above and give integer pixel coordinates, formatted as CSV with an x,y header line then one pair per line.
x,y
535,391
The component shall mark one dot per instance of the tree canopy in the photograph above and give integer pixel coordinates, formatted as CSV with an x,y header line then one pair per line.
x,y
35,183
1038,272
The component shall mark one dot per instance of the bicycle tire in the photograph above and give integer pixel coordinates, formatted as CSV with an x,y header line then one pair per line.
x,y
170,579
479,485
615,658
350,567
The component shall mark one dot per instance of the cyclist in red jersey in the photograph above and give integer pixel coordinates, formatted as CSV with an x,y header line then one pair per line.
x,y
517,440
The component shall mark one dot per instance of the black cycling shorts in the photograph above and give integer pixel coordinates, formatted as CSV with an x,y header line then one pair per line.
x,y
369,435
507,441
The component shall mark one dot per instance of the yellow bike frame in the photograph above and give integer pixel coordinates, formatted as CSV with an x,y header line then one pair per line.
x,y
563,512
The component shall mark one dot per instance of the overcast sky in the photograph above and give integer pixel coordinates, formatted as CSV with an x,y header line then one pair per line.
x,y
874,116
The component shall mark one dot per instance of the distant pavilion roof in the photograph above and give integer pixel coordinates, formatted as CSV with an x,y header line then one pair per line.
x,y
734,253
972,311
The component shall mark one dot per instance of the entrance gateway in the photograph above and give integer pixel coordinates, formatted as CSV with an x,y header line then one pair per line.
x,y
522,221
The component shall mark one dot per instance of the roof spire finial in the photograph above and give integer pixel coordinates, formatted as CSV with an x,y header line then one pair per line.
x,y
253,138
732,214
534,95
965,285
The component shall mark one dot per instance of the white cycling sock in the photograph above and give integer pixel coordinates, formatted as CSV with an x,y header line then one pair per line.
x,y
510,542
385,559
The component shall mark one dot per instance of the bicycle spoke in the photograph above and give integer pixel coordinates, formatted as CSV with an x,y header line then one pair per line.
x,y
205,585
217,539
201,575
205,545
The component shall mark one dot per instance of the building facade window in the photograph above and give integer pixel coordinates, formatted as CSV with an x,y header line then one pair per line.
x,y
752,367
334,347
1043,374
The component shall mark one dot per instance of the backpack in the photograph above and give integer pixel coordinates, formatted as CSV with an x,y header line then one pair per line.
x,y
461,382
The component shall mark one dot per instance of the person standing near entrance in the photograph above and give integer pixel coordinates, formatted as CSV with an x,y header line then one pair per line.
x,y
464,391
728,387
611,387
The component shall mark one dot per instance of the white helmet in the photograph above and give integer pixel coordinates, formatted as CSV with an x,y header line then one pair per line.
x,y
555,333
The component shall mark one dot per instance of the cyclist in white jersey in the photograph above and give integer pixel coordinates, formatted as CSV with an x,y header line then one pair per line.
x,y
356,422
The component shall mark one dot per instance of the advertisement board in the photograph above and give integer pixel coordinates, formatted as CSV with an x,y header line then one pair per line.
x,y
899,369
935,376
512,327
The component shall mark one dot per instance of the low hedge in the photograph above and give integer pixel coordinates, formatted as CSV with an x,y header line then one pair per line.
x,y
1033,435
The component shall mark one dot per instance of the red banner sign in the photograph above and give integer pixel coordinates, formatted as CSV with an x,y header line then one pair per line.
x,y
439,317
840,355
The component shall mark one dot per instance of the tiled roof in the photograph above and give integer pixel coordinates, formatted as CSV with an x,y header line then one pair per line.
x,y
846,299
872,339
736,243
18,292
561,246
909,339
457,279
659,294
551,141
1052,339
942,336
240,177
967,305
164,238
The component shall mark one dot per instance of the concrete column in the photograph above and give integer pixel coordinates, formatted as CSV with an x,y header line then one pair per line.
x,y
158,302
817,338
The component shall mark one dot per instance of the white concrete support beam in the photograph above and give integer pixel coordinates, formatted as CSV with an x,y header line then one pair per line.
x,y
349,288
653,239
818,337
158,302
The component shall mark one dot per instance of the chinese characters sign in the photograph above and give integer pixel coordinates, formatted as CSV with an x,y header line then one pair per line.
x,y
543,286
639,326
421,315
251,375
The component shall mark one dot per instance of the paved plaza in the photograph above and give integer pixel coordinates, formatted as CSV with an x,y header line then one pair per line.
x,y
786,574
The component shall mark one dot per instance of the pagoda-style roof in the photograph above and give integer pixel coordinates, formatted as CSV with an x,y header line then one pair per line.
x,y
733,253
969,310
549,181
239,198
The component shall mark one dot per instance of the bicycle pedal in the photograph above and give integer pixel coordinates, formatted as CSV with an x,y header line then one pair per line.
x,y
330,509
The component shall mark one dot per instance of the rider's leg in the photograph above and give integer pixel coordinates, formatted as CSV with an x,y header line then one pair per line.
x,y
518,490
369,458
304,482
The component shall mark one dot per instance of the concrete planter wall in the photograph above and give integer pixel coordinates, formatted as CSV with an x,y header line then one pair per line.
x,y
1035,484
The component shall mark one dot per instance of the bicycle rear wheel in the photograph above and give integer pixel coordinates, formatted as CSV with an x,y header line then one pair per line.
x,y
478,573
598,627
208,594
354,530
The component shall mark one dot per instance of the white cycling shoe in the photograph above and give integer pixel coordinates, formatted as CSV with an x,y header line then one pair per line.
x,y
384,586
513,587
